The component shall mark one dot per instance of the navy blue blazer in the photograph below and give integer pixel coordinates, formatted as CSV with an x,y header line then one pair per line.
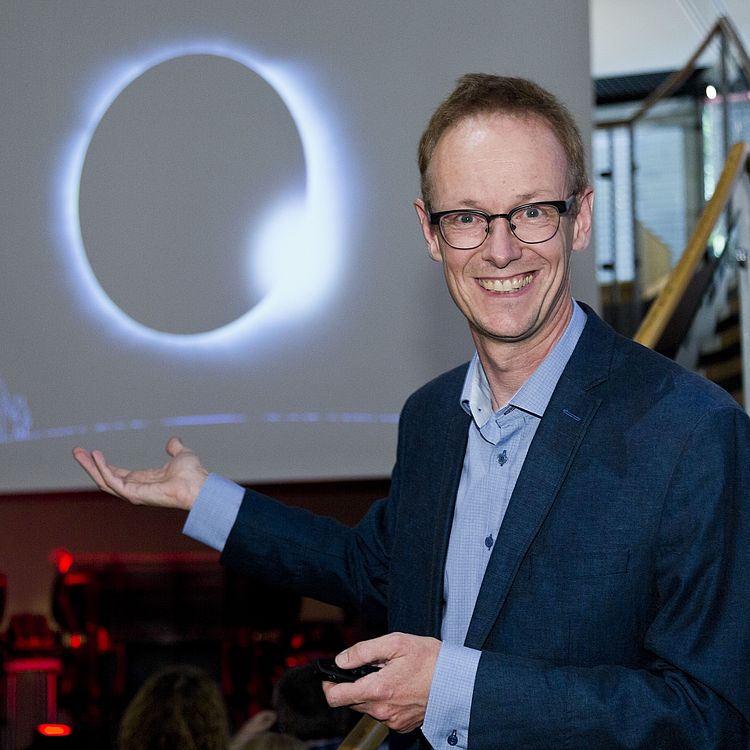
x,y
615,610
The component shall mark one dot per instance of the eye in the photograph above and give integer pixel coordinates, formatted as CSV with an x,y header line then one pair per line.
x,y
535,213
461,220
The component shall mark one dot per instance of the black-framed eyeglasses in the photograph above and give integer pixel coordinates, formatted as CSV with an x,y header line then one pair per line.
x,y
532,223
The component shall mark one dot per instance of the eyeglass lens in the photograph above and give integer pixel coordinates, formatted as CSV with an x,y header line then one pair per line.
x,y
532,224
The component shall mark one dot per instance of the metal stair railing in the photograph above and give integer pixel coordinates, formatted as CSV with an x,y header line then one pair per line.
x,y
671,314
625,295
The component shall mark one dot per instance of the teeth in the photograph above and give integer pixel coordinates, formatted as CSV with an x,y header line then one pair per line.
x,y
506,285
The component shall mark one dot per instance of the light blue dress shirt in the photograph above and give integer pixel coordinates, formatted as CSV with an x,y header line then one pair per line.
x,y
496,449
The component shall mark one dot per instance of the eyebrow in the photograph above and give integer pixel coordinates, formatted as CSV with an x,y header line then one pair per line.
x,y
528,198
521,200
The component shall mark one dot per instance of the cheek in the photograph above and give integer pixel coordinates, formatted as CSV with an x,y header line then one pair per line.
x,y
451,262
558,257
456,268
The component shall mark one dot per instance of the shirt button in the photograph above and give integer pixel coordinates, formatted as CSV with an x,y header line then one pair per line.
x,y
453,738
489,541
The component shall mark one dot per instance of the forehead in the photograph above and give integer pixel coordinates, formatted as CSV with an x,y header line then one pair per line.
x,y
498,152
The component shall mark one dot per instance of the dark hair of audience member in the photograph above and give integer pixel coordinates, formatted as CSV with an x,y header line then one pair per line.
x,y
177,708
302,708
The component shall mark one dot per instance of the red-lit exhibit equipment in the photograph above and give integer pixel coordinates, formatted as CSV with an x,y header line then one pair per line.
x,y
120,617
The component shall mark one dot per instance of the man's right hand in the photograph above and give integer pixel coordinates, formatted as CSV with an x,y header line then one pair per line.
x,y
174,485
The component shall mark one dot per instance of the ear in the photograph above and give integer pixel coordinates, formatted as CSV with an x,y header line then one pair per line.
x,y
430,232
583,221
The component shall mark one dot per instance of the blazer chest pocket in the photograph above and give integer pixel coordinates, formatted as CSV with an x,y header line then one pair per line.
x,y
581,603
579,563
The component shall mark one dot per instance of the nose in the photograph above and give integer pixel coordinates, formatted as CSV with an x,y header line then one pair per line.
x,y
501,246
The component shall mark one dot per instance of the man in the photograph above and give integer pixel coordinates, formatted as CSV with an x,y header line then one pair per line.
x,y
564,558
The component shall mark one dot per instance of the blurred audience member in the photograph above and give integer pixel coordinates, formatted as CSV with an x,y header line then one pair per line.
x,y
301,711
259,722
304,712
178,708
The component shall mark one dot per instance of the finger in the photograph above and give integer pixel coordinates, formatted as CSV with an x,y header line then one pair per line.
x,y
131,485
112,483
121,477
346,694
83,457
85,460
119,472
138,476
174,446
372,651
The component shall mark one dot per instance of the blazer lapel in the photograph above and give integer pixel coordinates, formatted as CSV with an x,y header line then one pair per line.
x,y
433,453
445,502
550,455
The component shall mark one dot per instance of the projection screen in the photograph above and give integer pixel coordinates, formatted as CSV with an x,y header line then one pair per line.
x,y
208,230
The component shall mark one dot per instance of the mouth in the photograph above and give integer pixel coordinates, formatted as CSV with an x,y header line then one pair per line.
x,y
505,286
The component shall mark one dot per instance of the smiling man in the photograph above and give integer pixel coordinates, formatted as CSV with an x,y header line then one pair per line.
x,y
509,277
564,558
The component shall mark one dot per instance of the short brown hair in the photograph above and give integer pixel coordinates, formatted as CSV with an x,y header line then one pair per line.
x,y
482,93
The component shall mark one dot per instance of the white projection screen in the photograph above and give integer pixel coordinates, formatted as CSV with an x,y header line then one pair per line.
x,y
207,225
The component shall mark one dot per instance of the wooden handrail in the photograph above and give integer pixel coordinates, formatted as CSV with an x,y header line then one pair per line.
x,y
660,312
368,734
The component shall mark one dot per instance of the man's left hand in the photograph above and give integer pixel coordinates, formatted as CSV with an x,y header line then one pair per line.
x,y
397,694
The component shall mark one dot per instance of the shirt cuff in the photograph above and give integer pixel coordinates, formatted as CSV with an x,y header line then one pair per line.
x,y
446,721
214,512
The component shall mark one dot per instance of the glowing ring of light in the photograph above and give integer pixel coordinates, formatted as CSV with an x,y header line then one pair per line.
x,y
315,268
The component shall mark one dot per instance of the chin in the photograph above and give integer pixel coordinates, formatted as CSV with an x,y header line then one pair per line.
x,y
506,335
510,328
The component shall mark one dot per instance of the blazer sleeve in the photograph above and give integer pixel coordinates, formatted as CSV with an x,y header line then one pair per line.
x,y
293,549
692,688
317,556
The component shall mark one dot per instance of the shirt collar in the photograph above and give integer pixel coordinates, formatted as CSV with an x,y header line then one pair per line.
x,y
534,395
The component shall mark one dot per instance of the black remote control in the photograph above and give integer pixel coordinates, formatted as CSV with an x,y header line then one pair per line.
x,y
327,669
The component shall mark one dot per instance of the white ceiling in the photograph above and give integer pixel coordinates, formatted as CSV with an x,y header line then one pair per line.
x,y
635,36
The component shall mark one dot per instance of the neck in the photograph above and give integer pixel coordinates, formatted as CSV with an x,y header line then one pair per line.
x,y
509,364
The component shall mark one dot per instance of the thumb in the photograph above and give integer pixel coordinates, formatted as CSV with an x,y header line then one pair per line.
x,y
175,446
